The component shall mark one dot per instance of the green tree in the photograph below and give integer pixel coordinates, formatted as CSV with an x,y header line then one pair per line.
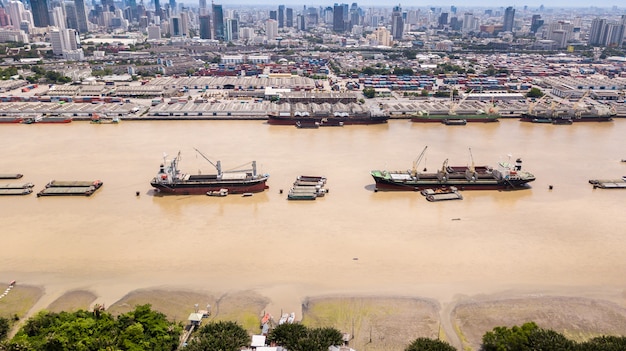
x,y
425,344
219,336
604,343
141,329
508,339
297,337
369,92
287,335
4,328
534,93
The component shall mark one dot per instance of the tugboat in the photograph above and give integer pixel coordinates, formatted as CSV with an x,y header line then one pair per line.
x,y
169,179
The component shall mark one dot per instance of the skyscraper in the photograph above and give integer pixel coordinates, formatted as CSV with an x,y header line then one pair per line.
x,y
289,17
535,23
596,33
281,16
40,13
397,23
338,23
218,22
205,26
509,17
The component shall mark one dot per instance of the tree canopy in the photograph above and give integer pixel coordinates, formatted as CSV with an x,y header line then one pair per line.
x,y
219,336
140,329
297,337
425,344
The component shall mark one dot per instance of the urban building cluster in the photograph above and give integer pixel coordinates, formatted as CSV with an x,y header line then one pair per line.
x,y
64,26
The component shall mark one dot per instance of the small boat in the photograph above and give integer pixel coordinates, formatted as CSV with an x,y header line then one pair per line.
x,y
454,122
307,124
219,193
442,194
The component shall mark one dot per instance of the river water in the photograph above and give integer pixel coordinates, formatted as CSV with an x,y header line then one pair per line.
x,y
353,241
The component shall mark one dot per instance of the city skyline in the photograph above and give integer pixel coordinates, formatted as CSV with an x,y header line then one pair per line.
x,y
482,3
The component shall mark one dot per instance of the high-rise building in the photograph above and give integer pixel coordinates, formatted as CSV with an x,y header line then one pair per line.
x,y
271,29
443,20
41,17
274,15
289,17
63,40
202,7
17,13
232,29
281,16
535,23
71,18
157,10
338,23
397,23
81,16
176,29
205,26
509,17
218,22
597,31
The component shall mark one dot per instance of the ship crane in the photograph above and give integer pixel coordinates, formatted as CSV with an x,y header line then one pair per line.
x,y
217,166
532,105
577,111
454,107
417,162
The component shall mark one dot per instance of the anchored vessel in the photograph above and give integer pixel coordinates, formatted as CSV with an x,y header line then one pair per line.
x,y
504,176
170,180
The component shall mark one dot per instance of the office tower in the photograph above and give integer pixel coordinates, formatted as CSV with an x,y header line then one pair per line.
x,y
17,13
274,15
205,26
157,10
176,29
108,5
453,9
232,29
71,18
443,20
338,23
535,23
597,31
614,34
5,20
41,17
218,22
289,17
509,17
202,6
271,29
63,40
281,16
154,32
173,8
397,23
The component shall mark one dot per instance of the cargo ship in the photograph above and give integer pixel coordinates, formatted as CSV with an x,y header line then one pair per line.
x,y
455,116
170,180
325,115
576,113
503,177
456,119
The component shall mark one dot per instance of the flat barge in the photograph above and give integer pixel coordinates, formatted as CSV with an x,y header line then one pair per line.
x,y
68,191
11,176
15,191
608,183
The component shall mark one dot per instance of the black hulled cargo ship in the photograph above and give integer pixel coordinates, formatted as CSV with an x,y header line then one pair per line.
x,y
170,180
503,177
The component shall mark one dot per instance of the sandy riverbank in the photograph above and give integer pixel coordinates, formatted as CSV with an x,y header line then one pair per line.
x,y
375,322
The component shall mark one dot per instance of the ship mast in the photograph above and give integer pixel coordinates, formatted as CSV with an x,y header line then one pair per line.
x,y
217,166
